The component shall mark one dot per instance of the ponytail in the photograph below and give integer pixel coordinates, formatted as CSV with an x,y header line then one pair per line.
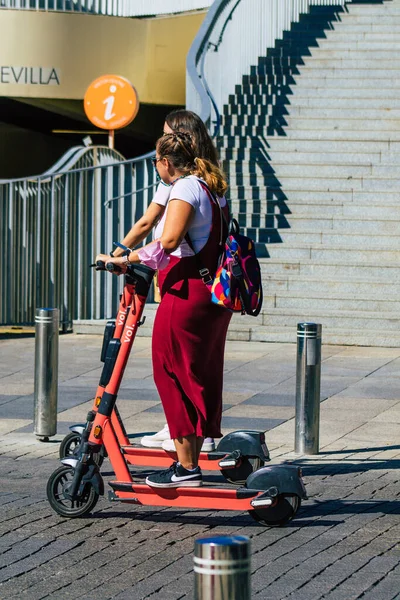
x,y
211,174
180,150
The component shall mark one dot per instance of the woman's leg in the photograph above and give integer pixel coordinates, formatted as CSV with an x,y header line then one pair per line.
x,y
188,450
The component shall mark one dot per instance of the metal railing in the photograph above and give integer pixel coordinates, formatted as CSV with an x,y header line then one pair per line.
x,y
115,8
52,226
234,34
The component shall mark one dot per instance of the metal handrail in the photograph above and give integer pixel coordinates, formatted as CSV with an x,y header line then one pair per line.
x,y
54,224
196,56
56,173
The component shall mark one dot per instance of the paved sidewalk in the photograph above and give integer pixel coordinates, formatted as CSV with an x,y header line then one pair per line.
x,y
343,543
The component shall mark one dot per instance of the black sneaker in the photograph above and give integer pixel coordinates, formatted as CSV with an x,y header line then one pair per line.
x,y
175,476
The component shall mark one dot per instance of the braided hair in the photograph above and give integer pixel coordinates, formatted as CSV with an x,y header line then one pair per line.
x,y
180,150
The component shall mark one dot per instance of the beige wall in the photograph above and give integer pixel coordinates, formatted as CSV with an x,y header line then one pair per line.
x,y
151,53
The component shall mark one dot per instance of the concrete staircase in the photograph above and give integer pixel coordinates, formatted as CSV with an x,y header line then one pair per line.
x,y
311,145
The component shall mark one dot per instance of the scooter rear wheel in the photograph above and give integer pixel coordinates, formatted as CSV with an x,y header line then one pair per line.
x,y
58,499
281,512
239,474
71,443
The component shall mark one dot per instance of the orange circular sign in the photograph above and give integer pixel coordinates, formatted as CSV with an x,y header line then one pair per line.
x,y
111,102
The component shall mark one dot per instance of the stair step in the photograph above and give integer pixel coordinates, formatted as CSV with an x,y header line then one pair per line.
x,y
293,191
302,301
329,270
313,183
347,200
363,9
329,209
298,223
357,71
333,94
378,241
253,122
314,157
391,170
333,321
350,44
342,338
366,290
282,145
312,83
368,19
360,35
353,103
344,134
341,171
381,127
341,54
390,63
320,90
247,134
298,250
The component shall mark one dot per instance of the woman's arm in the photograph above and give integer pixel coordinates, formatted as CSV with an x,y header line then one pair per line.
x,y
139,231
142,227
179,217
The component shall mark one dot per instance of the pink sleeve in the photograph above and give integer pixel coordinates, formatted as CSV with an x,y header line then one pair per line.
x,y
154,256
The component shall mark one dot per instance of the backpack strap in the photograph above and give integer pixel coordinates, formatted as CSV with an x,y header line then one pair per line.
x,y
203,271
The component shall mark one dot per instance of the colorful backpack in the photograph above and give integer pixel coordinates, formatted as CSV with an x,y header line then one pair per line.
x,y
237,281
236,284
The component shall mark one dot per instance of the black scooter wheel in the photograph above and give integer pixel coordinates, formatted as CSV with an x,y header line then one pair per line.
x,y
71,443
239,474
279,513
59,501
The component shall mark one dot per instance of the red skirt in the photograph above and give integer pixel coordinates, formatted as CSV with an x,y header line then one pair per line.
x,y
188,353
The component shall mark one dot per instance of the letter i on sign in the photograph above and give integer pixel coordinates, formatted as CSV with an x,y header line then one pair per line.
x,y
109,103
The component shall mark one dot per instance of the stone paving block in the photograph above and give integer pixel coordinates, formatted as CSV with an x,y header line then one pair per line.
x,y
384,589
271,399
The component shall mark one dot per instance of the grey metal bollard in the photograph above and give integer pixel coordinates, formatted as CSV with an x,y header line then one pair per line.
x,y
308,388
222,568
46,372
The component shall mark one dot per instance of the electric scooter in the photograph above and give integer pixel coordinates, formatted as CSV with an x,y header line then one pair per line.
x,y
238,454
272,494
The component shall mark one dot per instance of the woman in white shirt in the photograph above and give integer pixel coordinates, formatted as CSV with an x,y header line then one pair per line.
x,y
189,331
177,120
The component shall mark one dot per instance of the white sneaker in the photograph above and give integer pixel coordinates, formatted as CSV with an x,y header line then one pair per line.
x,y
207,446
156,440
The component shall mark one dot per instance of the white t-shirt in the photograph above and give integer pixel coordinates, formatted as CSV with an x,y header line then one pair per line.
x,y
162,194
189,190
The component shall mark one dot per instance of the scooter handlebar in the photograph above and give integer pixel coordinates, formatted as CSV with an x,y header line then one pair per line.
x,y
113,268
102,266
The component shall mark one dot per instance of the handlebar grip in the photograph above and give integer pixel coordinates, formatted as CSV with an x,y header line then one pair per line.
x,y
112,268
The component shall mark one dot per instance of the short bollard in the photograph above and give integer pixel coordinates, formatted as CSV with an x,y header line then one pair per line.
x,y
308,388
222,568
46,372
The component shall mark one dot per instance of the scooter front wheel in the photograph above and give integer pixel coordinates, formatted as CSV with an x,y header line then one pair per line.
x,y
57,486
279,513
71,443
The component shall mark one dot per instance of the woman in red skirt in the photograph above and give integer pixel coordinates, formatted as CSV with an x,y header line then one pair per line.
x,y
189,331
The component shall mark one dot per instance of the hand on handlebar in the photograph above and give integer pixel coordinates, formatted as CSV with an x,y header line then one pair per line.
x,y
112,264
